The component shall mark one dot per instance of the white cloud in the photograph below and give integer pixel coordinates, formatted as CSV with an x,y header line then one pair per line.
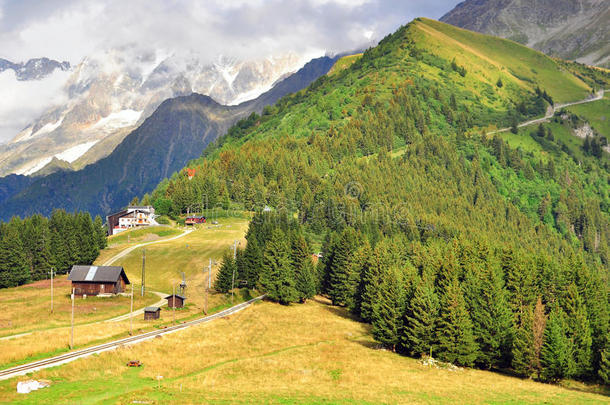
x,y
72,29
245,29
23,101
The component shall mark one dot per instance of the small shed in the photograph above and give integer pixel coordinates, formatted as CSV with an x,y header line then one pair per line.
x,y
175,301
152,313
95,280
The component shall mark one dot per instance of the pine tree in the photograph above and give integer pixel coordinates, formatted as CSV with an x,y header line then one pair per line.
x,y
556,353
370,280
491,316
100,232
224,278
604,364
456,343
13,266
277,276
388,314
36,244
253,262
523,350
422,317
343,278
579,332
305,278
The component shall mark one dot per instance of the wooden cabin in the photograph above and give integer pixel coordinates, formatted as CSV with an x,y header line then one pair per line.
x,y
175,301
95,280
152,313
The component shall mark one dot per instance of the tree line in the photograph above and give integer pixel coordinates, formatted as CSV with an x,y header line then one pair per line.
x,y
31,247
468,302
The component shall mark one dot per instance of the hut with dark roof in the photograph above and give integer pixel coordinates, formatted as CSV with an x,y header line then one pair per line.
x,y
95,280
151,313
175,301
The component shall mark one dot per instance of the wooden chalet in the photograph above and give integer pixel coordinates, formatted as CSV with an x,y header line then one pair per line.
x,y
175,301
95,280
195,219
152,313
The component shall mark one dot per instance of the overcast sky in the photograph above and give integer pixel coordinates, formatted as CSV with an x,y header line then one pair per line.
x,y
71,29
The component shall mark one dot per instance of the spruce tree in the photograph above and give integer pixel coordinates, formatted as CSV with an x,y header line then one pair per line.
x,y
456,342
419,335
523,350
388,314
305,278
370,280
13,266
491,316
343,277
579,333
252,262
604,364
100,232
277,276
556,353
36,244
224,278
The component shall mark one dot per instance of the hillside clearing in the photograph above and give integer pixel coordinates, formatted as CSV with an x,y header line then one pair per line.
x,y
165,261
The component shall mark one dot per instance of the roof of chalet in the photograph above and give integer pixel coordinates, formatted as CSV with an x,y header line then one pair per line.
x,y
97,274
177,295
152,309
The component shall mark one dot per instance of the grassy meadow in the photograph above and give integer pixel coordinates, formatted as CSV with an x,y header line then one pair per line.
x,y
164,263
299,354
487,58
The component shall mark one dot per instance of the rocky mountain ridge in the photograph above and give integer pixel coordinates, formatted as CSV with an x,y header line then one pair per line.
x,y
110,94
569,29
33,69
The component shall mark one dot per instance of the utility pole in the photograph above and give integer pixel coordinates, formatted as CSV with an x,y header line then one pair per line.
x,y
143,270
52,289
72,323
174,305
210,275
205,292
131,313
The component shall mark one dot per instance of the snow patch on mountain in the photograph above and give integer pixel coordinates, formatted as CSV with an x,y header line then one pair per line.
x,y
73,153
117,120
50,127
34,167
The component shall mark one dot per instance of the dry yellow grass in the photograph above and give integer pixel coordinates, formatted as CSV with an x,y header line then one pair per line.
x,y
310,353
29,305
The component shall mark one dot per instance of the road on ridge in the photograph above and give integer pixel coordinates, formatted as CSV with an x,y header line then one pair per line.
x,y
551,111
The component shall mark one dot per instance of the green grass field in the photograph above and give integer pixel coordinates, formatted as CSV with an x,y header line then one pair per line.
x,y
343,63
273,354
487,57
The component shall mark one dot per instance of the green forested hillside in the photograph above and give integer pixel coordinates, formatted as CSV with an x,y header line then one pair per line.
x,y
448,235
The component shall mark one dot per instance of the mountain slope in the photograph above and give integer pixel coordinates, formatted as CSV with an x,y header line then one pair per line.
x,y
175,133
569,29
308,153
444,238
